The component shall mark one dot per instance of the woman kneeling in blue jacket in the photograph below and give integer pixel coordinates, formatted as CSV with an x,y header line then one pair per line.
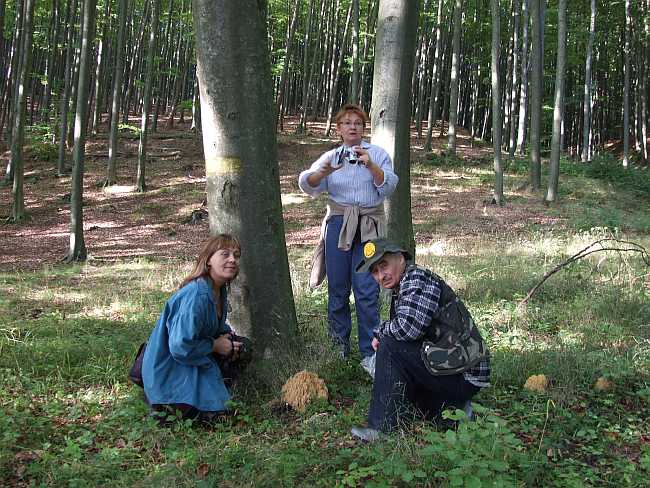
x,y
192,354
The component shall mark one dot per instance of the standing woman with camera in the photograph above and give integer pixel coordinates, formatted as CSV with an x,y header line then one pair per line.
x,y
357,177
192,354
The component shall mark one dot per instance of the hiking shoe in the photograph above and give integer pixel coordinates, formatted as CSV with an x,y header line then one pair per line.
x,y
368,364
366,434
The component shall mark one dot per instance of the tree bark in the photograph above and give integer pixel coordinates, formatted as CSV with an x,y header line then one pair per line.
x,y
18,137
514,90
71,10
354,78
556,149
626,86
77,248
241,165
523,93
111,174
537,66
453,85
146,98
391,106
434,99
586,104
498,197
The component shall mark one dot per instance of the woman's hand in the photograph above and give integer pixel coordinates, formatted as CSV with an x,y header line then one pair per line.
x,y
376,171
375,343
225,346
324,170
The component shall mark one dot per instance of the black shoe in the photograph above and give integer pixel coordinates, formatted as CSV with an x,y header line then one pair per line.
x,y
366,434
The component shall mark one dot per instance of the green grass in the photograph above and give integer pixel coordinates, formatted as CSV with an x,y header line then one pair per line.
x,y
68,416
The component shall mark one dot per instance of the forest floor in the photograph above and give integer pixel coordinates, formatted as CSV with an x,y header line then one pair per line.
x,y
69,417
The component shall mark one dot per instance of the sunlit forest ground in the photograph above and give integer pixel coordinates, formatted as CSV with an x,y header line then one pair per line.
x,y
69,417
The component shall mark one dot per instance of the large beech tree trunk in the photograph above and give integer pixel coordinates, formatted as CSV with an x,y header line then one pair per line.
x,y
391,106
243,184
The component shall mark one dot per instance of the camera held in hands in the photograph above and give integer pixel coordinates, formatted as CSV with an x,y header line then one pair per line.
x,y
346,154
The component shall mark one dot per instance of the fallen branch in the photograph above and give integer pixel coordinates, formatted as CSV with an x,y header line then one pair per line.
x,y
169,154
633,247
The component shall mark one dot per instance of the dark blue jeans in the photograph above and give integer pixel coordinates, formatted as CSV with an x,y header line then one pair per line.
x,y
341,279
402,382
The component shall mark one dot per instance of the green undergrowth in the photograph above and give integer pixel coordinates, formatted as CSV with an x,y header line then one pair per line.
x,y
68,416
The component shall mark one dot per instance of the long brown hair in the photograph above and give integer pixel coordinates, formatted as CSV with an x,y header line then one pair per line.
x,y
212,245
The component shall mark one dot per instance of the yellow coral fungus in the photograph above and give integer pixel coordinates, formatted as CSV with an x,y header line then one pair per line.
x,y
603,384
301,388
536,382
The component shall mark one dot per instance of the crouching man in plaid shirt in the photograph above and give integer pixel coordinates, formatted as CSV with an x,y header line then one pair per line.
x,y
429,354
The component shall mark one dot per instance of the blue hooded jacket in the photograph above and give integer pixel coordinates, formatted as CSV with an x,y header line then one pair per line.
x,y
178,366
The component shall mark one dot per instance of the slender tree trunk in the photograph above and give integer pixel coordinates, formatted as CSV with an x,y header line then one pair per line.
x,y
146,99
498,197
453,86
391,106
241,165
586,104
77,248
18,137
436,76
288,49
111,175
334,78
536,96
71,10
354,79
514,91
556,146
523,93
49,64
626,86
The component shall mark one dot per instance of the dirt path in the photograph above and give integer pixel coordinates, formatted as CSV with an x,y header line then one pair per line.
x,y
125,224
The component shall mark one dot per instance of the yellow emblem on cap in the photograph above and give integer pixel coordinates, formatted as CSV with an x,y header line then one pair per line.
x,y
369,250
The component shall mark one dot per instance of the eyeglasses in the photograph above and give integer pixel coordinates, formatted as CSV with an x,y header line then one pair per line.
x,y
350,124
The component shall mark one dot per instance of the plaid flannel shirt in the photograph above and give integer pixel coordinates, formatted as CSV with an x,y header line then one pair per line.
x,y
413,305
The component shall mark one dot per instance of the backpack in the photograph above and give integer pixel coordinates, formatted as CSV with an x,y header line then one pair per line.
x,y
453,343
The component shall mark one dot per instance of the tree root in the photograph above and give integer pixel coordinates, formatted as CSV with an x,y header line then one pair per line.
x,y
606,244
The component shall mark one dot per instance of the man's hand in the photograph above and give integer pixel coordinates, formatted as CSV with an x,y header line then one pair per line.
x,y
375,343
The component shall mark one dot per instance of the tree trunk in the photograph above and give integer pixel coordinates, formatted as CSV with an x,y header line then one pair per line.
x,y
537,66
556,149
71,10
288,49
436,77
146,98
586,104
354,78
514,91
241,165
626,86
18,137
77,247
111,175
453,85
334,79
496,103
523,93
391,106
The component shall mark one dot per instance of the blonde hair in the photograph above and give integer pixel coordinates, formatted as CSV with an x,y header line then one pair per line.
x,y
351,108
212,245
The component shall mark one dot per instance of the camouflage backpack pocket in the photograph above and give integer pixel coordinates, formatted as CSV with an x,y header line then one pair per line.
x,y
448,355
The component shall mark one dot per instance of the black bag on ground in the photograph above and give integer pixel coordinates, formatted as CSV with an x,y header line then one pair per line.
x,y
135,373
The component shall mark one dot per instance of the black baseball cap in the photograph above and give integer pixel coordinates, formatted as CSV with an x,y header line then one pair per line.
x,y
375,249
